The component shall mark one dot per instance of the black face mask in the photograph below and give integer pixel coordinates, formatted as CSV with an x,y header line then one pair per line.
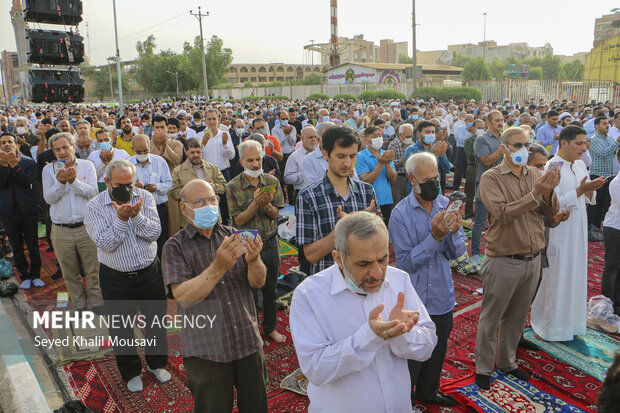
x,y
429,190
122,193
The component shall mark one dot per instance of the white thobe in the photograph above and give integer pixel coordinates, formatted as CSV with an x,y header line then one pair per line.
x,y
559,310
349,367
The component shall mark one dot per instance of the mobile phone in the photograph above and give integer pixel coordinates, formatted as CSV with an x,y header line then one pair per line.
x,y
58,165
555,166
266,189
610,177
457,199
246,234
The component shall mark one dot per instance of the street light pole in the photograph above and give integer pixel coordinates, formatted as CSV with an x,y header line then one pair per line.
x,y
176,75
199,16
414,57
110,75
484,38
118,63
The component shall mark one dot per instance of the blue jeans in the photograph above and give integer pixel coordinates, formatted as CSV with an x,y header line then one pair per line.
x,y
480,219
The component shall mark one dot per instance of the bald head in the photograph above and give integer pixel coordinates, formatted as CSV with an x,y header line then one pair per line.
x,y
196,189
140,143
309,138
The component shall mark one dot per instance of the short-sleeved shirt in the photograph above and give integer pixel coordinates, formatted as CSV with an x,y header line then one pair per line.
x,y
317,206
367,162
185,256
121,143
275,142
240,194
485,144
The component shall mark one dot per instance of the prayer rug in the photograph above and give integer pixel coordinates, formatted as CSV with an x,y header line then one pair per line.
x,y
593,353
510,395
286,248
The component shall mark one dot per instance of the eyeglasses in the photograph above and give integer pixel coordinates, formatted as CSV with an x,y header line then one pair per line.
x,y
200,202
520,145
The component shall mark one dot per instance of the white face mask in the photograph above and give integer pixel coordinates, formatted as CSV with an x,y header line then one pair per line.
x,y
479,132
110,128
21,130
253,174
408,141
173,135
142,158
519,158
239,131
376,143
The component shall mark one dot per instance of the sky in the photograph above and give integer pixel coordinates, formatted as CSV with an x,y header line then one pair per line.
x,y
276,30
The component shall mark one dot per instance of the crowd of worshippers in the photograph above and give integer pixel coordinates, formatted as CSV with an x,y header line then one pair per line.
x,y
146,204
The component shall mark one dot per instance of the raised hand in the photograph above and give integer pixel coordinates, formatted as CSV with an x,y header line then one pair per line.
x,y
136,208
384,329
410,318
592,185
71,175
439,229
230,250
253,247
439,148
138,184
123,211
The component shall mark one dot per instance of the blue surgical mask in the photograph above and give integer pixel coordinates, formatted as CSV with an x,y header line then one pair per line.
x,y
205,217
429,139
589,116
348,280
344,112
469,124
415,117
105,146
326,118
284,122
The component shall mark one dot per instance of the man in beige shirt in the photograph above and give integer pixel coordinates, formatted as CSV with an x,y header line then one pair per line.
x,y
172,151
516,196
195,167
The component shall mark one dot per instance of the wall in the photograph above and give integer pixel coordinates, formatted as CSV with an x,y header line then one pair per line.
x,y
603,62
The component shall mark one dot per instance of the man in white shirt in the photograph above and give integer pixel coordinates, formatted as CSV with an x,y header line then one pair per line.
x,y
293,173
217,147
355,324
68,192
102,157
614,132
287,136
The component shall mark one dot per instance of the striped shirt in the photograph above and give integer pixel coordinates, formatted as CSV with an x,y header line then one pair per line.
x,y
317,206
603,151
185,256
154,172
123,246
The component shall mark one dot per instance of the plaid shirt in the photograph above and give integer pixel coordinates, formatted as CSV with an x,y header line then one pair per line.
x,y
188,254
603,150
398,146
317,215
240,194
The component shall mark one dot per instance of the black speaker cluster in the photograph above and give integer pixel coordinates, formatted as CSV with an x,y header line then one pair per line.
x,y
54,47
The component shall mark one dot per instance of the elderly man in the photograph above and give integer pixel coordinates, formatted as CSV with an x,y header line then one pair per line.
x,y
314,164
272,147
287,136
399,146
460,162
205,263
425,238
84,143
153,175
104,155
516,196
18,209
124,225
427,142
293,173
23,132
68,192
355,324
253,208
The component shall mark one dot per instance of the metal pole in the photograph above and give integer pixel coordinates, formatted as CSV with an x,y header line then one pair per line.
x,y
199,16
414,57
110,73
118,63
484,38
6,101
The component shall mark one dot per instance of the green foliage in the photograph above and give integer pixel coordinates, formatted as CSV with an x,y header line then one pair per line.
x,y
248,84
536,73
551,67
460,60
271,84
445,93
317,96
344,96
313,79
497,68
256,98
404,59
572,70
476,69
101,77
381,94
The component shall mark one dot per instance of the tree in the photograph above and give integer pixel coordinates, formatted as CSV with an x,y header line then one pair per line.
x,y
551,67
143,65
460,60
404,59
100,76
536,73
497,68
218,60
476,69
572,70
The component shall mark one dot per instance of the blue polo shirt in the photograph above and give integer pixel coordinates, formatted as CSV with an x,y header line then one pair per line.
x,y
367,162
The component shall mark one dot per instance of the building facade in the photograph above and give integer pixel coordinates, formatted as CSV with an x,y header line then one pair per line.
x,y
389,50
10,81
500,52
390,74
603,62
240,73
605,27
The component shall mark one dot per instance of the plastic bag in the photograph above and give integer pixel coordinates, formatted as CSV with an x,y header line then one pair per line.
x,y
8,289
601,314
6,269
288,229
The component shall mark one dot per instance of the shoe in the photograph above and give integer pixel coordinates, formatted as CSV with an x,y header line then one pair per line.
x,y
518,373
26,284
442,400
57,274
162,375
37,282
135,385
483,381
528,345
476,259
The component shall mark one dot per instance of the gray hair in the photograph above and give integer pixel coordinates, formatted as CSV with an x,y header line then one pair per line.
x,y
417,158
401,128
362,225
69,137
22,119
122,164
534,149
322,127
250,143
81,122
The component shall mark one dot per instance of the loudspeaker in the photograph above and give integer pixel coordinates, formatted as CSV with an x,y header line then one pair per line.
x,y
50,47
47,85
67,12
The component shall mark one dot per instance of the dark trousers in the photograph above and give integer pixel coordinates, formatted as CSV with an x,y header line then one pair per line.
x,y
162,211
610,284
460,166
596,213
271,258
120,294
304,265
212,384
290,191
470,190
386,211
451,153
224,213
20,227
425,375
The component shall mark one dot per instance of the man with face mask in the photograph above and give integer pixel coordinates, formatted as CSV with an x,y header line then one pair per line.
x,y
23,132
516,197
287,136
153,175
293,173
272,144
124,224
251,207
355,324
399,145
427,142
477,129
104,155
206,262
425,238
